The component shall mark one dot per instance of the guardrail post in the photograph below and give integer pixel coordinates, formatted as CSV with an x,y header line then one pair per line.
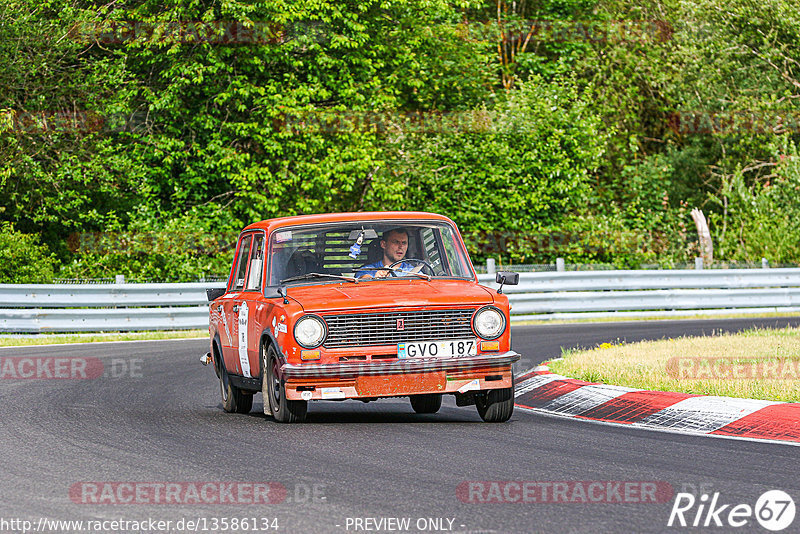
x,y
120,279
764,263
560,264
698,264
490,266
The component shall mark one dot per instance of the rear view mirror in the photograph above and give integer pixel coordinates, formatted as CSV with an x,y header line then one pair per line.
x,y
507,277
213,293
369,233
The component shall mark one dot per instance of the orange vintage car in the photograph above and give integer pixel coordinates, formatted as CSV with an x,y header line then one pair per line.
x,y
359,306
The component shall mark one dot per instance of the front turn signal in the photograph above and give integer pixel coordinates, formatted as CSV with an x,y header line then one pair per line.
x,y
309,355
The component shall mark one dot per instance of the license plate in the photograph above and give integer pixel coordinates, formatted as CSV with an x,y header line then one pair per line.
x,y
438,349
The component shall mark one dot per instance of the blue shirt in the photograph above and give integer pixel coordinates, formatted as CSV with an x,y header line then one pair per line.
x,y
405,266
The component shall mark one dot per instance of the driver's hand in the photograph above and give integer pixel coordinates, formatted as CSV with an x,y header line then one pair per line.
x,y
382,273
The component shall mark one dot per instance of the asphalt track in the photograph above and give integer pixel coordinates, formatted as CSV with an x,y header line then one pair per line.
x,y
160,420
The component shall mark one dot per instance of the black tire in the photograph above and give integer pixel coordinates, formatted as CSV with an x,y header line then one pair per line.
x,y
428,403
273,389
496,405
234,400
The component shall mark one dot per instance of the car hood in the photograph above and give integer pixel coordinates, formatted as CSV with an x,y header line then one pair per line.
x,y
389,294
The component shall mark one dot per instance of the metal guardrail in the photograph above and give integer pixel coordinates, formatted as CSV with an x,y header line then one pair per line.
x,y
104,295
103,307
589,294
636,280
539,296
40,320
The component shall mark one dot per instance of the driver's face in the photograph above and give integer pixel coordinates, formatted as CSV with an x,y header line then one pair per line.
x,y
394,247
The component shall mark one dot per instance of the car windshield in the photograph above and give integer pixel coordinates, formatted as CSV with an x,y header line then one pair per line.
x,y
367,251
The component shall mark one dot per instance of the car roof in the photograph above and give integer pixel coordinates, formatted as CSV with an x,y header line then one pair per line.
x,y
271,224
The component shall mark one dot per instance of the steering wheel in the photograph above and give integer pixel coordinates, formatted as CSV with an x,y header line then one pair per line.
x,y
424,263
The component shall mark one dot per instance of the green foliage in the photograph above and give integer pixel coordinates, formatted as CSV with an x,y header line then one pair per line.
x,y
564,140
186,248
23,259
520,167
60,171
760,220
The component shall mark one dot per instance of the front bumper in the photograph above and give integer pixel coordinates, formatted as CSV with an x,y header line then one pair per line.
x,y
398,377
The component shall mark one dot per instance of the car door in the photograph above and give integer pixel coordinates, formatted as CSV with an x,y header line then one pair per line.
x,y
231,308
251,309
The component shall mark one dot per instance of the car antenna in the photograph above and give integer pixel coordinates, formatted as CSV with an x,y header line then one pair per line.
x,y
282,292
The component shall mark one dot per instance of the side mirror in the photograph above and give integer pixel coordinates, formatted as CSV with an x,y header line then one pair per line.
x,y
506,277
213,293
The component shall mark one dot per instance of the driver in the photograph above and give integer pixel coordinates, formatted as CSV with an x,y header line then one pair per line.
x,y
395,245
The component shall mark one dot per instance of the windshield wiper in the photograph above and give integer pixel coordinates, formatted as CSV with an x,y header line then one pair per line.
x,y
421,275
319,275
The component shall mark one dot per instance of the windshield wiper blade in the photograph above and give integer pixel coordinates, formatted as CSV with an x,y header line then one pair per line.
x,y
319,275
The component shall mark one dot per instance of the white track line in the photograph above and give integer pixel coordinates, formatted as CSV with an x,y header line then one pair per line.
x,y
704,414
539,411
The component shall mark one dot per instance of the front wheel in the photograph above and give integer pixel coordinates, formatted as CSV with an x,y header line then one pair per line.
x,y
428,403
273,390
496,405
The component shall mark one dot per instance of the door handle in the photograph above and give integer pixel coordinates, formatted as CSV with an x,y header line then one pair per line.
x,y
235,308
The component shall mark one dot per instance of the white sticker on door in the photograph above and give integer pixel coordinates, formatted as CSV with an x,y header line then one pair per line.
x,y
243,359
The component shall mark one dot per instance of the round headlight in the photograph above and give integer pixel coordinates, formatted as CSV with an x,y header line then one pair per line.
x,y
489,323
310,331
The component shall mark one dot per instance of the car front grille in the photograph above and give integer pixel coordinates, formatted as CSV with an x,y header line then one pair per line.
x,y
365,329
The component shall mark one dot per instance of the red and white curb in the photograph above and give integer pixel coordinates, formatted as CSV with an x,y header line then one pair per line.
x,y
542,391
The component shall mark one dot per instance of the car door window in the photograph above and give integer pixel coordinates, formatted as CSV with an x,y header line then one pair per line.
x,y
241,264
256,264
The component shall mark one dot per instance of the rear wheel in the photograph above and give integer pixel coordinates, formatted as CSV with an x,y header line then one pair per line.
x,y
234,400
273,388
496,405
428,403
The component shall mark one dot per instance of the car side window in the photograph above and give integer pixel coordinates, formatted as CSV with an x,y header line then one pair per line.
x,y
241,264
432,250
256,264
453,255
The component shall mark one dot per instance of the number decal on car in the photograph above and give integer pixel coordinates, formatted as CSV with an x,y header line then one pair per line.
x,y
243,359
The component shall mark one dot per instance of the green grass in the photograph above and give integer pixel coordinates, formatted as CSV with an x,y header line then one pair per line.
x,y
55,339
756,364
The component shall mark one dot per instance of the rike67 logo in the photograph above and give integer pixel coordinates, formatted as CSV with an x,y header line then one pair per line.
x,y
774,511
